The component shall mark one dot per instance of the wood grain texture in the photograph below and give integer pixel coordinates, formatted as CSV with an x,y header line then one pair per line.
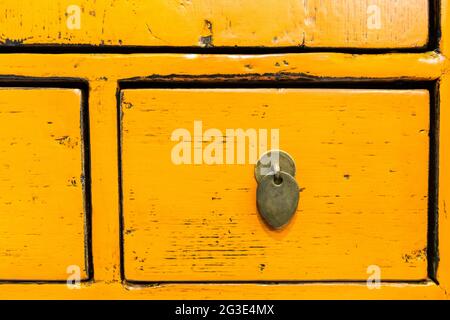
x,y
42,219
362,159
111,68
268,23
307,291
103,72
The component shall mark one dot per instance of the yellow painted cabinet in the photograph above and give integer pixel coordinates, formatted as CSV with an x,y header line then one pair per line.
x,y
224,23
189,195
42,204
130,129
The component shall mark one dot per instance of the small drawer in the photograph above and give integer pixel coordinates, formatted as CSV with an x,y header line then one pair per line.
x,y
222,23
189,208
42,207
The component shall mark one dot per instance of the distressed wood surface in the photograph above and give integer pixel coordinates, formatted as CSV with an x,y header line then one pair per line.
x,y
362,160
103,72
41,194
269,23
211,291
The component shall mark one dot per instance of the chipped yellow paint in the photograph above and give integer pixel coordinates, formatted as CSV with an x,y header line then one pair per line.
x,y
102,290
103,71
42,219
362,161
268,23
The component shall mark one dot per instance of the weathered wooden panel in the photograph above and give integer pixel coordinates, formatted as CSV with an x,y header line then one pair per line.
x,y
269,23
42,219
362,159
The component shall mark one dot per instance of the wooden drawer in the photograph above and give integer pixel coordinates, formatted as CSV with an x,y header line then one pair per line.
x,y
42,207
362,159
223,23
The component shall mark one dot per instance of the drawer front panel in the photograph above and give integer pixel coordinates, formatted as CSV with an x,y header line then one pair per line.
x,y
267,23
362,166
42,215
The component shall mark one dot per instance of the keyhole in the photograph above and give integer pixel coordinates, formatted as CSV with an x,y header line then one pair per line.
x,y
277,179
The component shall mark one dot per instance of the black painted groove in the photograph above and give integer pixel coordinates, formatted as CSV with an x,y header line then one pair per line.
x,y
272,282
120,184
83,86
233,81
434,35
434,24
433,185
388,84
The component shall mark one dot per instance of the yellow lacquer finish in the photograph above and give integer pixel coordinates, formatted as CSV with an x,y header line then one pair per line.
x,y
42,215
40,23
200,23
103,72
362,161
